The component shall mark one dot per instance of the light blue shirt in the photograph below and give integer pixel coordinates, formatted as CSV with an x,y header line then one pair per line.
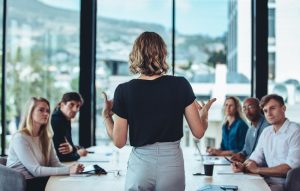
x,y
252,136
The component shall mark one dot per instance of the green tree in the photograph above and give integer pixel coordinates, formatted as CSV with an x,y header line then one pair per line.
x,y
215,57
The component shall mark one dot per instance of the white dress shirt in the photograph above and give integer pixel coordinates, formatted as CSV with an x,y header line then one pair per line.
x,y
281,147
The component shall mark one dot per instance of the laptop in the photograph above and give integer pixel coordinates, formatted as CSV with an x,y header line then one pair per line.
x,y
217,160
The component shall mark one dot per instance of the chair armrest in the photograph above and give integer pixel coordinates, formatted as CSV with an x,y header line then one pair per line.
x,y
11,180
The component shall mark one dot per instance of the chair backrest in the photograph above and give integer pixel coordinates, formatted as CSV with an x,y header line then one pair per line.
x,y
11,180
3,160
292,182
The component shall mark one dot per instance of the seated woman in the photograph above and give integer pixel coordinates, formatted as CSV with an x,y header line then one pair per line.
x,y
234,129
31,151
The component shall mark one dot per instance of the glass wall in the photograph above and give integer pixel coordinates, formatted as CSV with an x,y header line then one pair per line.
x,y
119,23
284,57
211,51
42,54
214,53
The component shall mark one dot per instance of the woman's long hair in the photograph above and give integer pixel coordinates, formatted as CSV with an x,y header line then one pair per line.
x,y
45,133
238,108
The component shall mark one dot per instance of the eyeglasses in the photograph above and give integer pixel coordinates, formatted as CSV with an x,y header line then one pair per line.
x,y
248,107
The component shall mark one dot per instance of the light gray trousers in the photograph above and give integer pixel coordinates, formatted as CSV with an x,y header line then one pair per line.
x,y
156,167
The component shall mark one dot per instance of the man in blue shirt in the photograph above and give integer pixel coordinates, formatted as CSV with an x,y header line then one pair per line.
x,y
258,123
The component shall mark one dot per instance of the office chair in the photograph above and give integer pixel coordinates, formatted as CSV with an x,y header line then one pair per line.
x,y
10,180
292,182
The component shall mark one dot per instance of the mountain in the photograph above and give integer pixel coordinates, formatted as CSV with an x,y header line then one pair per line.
x,y
114,37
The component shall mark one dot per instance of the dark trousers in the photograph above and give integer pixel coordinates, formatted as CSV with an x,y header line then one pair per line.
x,y
37,184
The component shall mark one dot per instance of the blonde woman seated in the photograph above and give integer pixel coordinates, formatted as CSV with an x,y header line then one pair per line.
x,y
234,129
31,151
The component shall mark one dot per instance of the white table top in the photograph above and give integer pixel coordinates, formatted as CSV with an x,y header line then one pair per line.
x,y
114,160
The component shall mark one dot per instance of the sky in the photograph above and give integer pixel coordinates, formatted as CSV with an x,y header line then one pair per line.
x,y
207,17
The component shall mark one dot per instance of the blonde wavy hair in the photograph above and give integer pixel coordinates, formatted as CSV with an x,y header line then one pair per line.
x,y
45,133
148,55
238,107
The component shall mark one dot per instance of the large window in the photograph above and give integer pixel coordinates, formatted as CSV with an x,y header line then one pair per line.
x,y
42,54
213,52
119,23
284,57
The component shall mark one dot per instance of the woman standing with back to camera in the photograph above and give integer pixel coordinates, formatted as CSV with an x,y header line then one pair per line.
x,y
152,107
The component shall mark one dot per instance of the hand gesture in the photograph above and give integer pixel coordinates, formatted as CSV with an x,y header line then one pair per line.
x,y
204,108
65,148
76,168
107,108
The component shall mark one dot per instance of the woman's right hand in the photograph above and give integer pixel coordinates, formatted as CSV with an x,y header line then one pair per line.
x,y
213,151
107,108
76,168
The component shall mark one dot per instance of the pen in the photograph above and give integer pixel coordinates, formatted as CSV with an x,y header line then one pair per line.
x,y
91,152
228,159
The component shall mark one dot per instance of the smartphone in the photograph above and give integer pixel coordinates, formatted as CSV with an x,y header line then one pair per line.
x,y
229,160
229,187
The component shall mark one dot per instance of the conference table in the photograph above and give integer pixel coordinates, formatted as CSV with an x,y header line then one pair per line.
x,y
114,161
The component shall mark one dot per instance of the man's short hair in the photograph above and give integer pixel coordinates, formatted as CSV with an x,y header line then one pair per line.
x,y
264,100
254,99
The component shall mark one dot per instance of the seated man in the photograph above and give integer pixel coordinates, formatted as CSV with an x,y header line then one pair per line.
x,y
258,124
278,146
66,110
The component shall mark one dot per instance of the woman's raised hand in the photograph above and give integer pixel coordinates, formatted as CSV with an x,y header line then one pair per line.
x,y
203,108
107,108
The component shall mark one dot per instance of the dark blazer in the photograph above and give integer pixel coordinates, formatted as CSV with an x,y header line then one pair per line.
x,y
62,129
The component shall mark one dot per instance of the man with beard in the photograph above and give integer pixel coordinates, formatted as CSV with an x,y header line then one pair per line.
x,y
258,123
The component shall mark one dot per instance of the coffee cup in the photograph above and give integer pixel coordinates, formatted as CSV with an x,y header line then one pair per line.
x,y
208,169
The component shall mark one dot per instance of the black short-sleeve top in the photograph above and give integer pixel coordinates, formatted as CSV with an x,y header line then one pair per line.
x,y
153,108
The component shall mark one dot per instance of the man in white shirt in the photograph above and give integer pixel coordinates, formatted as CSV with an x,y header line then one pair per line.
x,y
278,148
